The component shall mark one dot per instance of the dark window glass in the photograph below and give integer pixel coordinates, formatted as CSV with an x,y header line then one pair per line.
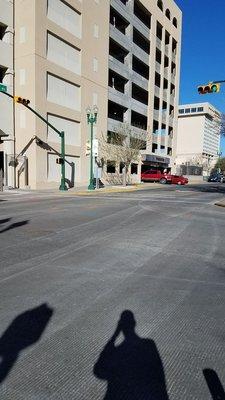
x,y
111,167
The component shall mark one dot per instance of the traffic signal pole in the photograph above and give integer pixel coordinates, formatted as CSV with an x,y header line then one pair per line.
x,y
63,183
62,186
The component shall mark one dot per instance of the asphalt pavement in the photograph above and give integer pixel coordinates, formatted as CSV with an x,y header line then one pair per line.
x,y
115,296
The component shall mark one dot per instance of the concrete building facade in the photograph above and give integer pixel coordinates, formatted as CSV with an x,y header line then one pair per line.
x,y
7,78
198,138
122,55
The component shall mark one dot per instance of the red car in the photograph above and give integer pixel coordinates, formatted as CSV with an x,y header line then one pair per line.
x,y
162,177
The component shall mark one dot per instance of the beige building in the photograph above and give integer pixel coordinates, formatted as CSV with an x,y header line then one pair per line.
x,y
123,55
7,78
198,138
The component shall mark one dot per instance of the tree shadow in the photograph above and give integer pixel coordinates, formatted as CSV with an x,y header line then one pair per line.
x,y
14,225
215,386
133,369
25,330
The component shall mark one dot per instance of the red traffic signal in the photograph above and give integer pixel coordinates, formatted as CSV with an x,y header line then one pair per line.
x,y
20,100
210,88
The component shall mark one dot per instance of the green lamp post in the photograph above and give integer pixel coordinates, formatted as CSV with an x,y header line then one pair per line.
x,y
91,119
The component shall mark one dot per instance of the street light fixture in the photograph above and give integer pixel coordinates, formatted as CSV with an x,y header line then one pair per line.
x,y
91,119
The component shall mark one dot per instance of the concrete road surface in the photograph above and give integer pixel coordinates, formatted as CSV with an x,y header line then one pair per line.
x,y
117,296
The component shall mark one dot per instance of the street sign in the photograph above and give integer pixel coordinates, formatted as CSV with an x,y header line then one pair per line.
x,y
95,147
3,88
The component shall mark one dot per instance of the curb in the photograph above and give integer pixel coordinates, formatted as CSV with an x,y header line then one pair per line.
x,y
113,190
220,204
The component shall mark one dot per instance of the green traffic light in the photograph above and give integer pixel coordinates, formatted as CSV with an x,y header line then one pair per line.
x,y
214,88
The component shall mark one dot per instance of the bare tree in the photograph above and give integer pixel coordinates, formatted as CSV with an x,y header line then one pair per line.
x,y
122,146
219,124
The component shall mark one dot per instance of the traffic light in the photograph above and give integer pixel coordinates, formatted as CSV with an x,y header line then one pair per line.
x,y
210,88
59,160
20,100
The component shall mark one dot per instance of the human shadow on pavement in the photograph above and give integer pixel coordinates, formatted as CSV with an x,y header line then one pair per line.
x,y
215,386
133,369
14,225
25,330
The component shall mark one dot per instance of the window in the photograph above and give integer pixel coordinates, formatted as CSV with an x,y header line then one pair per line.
x,y
160,4
141,41
63,54
134,169
71,128
115,138
138,144
200,109
159,30
193,110
63,93
157,79
181,111
168,13
165,84
175,22
65,16
142,13
158,56
187,111
111,167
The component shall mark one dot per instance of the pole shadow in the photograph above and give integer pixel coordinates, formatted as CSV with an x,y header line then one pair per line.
x,y
133,369
215,386
14,225
25,330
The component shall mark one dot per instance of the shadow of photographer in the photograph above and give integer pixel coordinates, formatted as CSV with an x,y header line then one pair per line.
x,y
25,330
133,369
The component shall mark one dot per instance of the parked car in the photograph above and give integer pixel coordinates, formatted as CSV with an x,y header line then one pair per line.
x,y
216,177
162,177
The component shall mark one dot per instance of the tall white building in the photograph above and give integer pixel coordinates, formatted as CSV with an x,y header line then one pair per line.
x,y
6,78
198,138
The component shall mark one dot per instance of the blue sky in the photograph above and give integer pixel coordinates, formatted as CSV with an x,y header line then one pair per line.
x,y
203,51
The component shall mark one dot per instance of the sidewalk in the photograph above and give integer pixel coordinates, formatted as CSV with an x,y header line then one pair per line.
x,y
81,190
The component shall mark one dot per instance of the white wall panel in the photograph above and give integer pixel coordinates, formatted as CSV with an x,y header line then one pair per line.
x,y
54,170
63,54
63,93
71,128
65,16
